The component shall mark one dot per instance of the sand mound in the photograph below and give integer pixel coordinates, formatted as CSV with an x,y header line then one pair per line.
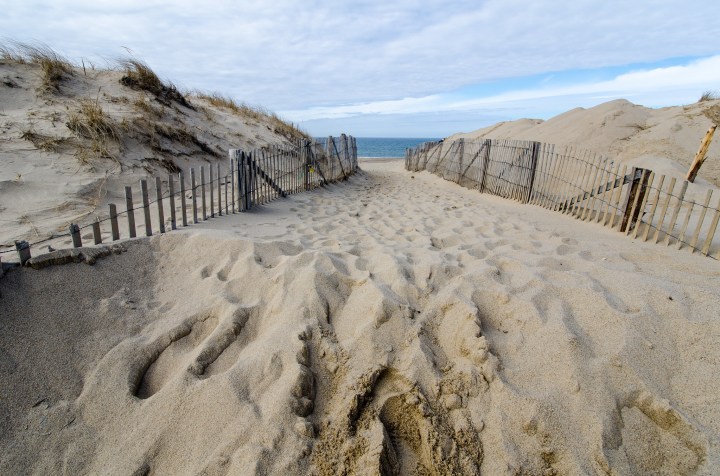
x,y
71,144
619,129
394,324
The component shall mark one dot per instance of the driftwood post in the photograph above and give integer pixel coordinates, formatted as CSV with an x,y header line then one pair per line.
x,y
130,211
75,233
158,196
701,153
146,207
115,231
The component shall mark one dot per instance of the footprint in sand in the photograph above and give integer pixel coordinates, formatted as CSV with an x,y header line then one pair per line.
x,y
204,347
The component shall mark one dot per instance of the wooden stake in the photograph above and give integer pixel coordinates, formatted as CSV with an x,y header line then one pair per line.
x,y
146,207
96,232
75,233
130,211
158,196
193,190
202,192
701,153
183,199
171,189
212,193
115,230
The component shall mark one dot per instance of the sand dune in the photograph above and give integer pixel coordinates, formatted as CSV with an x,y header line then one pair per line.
x,y
664,140
392,324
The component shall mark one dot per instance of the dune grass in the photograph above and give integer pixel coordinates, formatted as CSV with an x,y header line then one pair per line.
x,y
54,67
255,113
709,95
139,76
92,123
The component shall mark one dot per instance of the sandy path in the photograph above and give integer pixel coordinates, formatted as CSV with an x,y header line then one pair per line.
x,y
388,324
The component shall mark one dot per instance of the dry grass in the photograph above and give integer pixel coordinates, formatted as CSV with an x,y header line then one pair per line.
x,y
44,142
709,96
139,76
257,114
91,123
54,67
145,106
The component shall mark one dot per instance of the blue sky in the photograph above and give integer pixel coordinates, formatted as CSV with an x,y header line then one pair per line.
x,y
402,68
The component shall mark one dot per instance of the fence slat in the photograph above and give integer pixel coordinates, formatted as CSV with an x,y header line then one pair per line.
x,y
130,211
183,199
193,189
676,211
711,230
696,234
171,189
146,207
656,201
666,203
97,237
615,203
643,204
114,229
202,193
685,224
158,196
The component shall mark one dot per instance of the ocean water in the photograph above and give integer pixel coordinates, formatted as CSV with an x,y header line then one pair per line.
x,y
386,147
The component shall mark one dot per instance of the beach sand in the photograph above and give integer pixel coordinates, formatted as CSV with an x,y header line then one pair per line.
x,y
394,323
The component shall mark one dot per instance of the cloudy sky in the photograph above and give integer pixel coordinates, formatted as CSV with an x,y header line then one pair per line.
x,y
403,68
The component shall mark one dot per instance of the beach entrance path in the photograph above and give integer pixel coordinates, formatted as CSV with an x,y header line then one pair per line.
x,y
394,323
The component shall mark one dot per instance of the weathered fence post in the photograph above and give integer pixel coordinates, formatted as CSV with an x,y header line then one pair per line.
x,y
183,200
637,188
96,232
130,211
23,250
115,231
486,161
202,192
193,190
146,207
240,164
460,153
233,154
212,193
218,190
533,167
171,189
158,196
75,234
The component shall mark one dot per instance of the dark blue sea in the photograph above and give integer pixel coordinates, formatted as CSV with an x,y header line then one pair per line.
x,y
384,147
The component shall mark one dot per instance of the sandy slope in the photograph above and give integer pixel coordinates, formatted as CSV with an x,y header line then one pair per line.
x,y
395,323
664,140
52,175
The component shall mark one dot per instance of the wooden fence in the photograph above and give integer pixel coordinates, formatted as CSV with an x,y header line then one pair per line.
x,y
249,179
588,186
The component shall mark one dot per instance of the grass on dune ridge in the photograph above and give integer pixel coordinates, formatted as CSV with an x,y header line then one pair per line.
x,y
137,75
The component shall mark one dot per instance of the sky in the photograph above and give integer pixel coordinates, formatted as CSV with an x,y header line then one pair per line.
x,y
398,68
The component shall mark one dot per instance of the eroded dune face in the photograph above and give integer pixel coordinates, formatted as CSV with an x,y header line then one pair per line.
x,y
395,328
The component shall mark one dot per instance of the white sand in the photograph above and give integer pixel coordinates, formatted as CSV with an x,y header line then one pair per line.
x,y
394,323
